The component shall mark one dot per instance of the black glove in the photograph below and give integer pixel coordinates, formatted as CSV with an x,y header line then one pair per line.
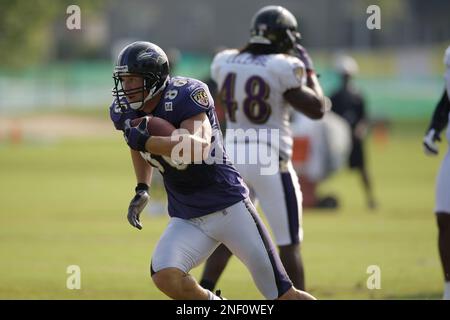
x,y
136,137
138,204
300,52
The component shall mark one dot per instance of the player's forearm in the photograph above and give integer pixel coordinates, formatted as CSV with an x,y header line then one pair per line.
x,y
313,83
179,146
440,115
142,169
312,105
306,101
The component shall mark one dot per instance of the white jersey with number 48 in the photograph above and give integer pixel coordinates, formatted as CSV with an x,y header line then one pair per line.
x,y
251,89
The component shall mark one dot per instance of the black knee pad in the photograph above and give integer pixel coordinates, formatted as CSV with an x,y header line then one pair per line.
x,y
443,220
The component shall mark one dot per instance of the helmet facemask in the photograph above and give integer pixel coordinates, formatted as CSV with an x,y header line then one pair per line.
x,y
281,40
144,60
294,36
150,86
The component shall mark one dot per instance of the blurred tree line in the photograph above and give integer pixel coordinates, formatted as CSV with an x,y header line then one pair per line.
x,y
26,28
34,32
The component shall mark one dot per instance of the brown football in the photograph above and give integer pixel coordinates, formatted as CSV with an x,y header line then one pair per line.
x,y
156,126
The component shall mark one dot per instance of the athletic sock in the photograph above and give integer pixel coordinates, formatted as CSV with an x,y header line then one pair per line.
x,y
212,296
447,291
207,284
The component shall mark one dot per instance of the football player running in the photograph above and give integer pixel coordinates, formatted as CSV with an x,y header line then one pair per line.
x,y
260,85
442,207
207,200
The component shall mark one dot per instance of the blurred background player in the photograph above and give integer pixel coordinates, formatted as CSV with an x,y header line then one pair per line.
x,y
207,201
321,148
350,105
442,208
259,85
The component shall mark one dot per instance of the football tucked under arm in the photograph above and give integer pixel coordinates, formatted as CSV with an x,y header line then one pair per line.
x,y
138,131
159,137
157,127
188,144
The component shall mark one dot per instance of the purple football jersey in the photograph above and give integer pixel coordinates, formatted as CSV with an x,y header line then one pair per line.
x,y
193,190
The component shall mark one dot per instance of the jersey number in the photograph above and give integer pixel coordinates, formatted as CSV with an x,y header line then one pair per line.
x,y
155,163
255,105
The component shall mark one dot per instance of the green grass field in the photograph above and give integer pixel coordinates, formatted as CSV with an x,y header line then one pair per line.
x,y
63,203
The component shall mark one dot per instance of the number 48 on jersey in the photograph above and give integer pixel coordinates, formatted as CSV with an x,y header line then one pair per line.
x,y
254,105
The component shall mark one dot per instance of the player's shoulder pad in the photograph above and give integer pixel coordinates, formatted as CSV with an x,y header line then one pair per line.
x,y
120,113
284,64
224,55
220,59
188,93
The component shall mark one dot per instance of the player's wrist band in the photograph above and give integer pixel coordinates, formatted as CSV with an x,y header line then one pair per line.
x,y
142,140
141,187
